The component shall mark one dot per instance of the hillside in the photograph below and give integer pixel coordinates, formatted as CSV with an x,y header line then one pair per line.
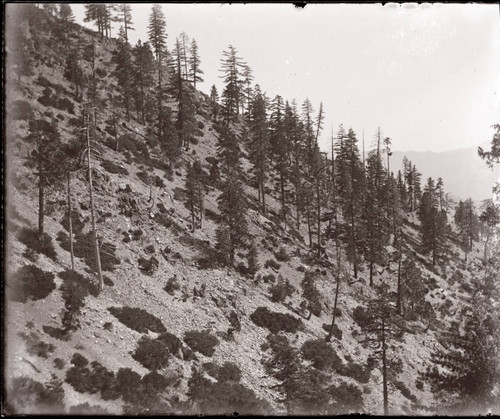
x,y
464,174
176,329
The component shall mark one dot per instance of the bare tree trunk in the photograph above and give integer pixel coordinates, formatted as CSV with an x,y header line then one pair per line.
x,y
318,209
384,371
70,222
94,234
41,190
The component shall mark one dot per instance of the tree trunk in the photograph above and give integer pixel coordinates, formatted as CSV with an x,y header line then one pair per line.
x,y
70,222
94,234
330,334
398,298
318,209
41,190
384,371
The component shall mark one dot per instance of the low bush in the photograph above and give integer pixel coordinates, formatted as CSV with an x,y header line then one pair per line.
x,y
39,244
21,110
223,398
85,409
96,379
31,283
361,317
35,346
346,398
59,363
114,168
281,290
272,263
84,248
144,176
405,391
138,319
172,285
158,182
281,255
275,322
47,397
321,354
202,342
419,384
148,266
152,354
336,332
356,371
269,278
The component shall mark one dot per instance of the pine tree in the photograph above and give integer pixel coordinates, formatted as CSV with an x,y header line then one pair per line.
x,y
233,231
169,141
195,193
143,79
194,64
468,370
65,13
158,38
259,147
123,72
22,53
124,12
73,71
380,330
231,67
214,102
467,223
493,156
46,158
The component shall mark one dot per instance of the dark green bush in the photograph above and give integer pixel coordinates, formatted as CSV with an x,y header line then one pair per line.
x,y
114,168
346,398
148,266
172,285
419,384
272,263
405,391
152,354
269,278
138,319
229,372
128,383
59,363
321,354
275,322
281,255
336,332
31,283
361,317
144,176
29,237
202,342
281,290
35,346
84,248
356,371
46,397
78,360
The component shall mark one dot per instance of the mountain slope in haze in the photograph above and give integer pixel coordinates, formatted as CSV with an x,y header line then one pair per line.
x,y
464,173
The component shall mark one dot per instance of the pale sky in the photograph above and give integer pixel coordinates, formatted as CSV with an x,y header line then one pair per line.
x,y
428,75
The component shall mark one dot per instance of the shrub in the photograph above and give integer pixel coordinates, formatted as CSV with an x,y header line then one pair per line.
x,y
127,384
31,283
336,332
356,371
85,409
40,397
172,285
148,266
43,244
281,290
272,263
59,363
275,322
202,342
158,181
152,354
229,372
405,391
223,398
269,278
35,346
346,398
282,255
321,354
150,249
419,384
144,176
111,167
172,342
361,317
138,319
107,281
92,380
311,293
84,248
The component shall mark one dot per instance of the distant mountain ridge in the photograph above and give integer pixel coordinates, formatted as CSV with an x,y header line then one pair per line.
x,y
464,174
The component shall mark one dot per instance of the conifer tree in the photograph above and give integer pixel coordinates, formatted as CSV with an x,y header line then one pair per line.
x,y
46,158
123,59
493,156
124,12
380,331
247,92
233,231
259,147
214,102
73,71
158,38
143,79
22,53
231,67
194,64
195,193
65,13
169,140
467,223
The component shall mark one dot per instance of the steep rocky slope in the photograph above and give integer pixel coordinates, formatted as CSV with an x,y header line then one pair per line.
x,y
141,214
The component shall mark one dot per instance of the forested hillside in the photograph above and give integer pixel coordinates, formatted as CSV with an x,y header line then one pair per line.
x,y
170,252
